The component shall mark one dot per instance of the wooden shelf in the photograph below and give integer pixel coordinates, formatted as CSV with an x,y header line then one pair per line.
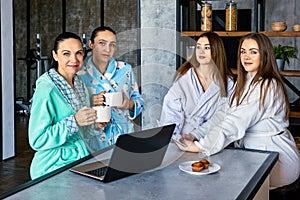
x,y
220,33
292,73
282,34
242,33
294,114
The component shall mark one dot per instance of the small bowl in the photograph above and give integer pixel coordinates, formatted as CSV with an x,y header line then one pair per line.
x,y
296,27
278,23
278,26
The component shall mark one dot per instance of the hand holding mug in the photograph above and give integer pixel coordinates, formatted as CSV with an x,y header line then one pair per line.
x,y
99,125
103,114
85,116
99,99
127,104
113,99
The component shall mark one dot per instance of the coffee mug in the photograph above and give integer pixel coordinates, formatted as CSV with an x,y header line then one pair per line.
x,y
113,99
103,113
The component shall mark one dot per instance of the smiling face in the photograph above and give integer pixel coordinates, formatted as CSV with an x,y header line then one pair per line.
x,y
250,57
104,46
69,57
203,51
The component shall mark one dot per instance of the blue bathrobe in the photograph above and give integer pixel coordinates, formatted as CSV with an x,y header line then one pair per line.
x,y
119,76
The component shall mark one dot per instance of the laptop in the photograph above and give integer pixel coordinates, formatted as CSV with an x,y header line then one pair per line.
x,y
132,154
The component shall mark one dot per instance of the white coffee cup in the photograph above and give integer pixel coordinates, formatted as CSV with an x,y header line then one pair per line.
x,y
103,113
113,98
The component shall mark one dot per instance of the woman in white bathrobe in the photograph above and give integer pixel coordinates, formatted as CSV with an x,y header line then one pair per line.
x,y
201,85
257,114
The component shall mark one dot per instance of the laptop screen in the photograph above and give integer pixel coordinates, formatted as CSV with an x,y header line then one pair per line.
x,y
135,153
141,151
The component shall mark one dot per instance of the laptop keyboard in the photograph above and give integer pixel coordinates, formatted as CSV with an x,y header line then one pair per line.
x,y
98,172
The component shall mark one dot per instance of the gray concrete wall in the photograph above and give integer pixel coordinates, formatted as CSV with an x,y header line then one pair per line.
x,y
158,55
7,132
288,11
84,15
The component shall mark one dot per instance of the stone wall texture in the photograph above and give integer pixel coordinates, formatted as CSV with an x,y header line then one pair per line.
x,y
82,16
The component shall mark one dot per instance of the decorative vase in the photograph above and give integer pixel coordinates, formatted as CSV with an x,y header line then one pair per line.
x,y
280,64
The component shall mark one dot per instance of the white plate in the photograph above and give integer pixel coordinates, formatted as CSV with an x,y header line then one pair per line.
x,y
187,167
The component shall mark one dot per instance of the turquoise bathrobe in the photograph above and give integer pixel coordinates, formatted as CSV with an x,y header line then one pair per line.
x,y
55,144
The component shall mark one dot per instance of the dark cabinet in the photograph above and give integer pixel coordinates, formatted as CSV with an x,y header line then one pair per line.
x,y
190,26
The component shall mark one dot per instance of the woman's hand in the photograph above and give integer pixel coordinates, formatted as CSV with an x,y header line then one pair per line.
x,y
127,103
99,125
188,140
85,116
188,137
99,99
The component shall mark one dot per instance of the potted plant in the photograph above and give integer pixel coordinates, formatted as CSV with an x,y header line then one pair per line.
x,y
283,54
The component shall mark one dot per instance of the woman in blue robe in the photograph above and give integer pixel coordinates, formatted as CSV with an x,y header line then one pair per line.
x,y
102,73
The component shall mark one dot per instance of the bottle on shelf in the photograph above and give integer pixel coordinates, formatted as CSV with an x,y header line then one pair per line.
x,y
206,16
231,16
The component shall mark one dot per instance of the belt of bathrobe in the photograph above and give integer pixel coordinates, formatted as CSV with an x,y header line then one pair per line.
x,y
265,134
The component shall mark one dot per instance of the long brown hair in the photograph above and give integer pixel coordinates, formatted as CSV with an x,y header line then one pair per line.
x,y
267,71
218,55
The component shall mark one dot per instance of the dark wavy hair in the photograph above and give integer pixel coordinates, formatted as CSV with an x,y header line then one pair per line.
x,y
99,29
60,38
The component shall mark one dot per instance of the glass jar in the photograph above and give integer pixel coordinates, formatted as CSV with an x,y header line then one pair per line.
x,y
231,16
206,16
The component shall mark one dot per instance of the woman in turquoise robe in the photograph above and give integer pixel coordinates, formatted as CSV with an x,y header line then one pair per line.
x,y
60,111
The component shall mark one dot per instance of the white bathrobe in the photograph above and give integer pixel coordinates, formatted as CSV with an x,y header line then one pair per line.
x,y
255,127
188,106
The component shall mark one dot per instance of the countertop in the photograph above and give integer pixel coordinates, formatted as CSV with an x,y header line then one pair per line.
x,y
240,177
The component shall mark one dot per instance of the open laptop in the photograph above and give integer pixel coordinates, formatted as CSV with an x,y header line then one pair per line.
x,y
132,154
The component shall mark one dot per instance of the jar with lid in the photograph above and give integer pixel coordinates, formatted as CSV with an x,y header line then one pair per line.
x,y
206,16
231,16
